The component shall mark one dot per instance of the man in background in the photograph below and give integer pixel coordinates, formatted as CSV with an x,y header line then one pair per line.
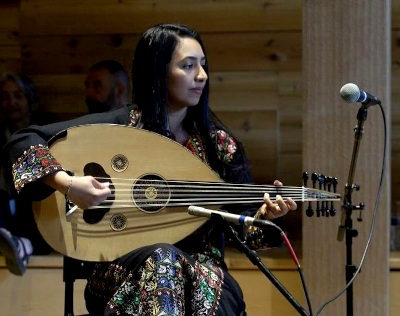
x,y
106,86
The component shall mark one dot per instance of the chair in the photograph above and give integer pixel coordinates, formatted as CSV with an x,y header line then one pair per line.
x,y
74,269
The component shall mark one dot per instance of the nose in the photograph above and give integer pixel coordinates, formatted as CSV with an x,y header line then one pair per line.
x,y
201,75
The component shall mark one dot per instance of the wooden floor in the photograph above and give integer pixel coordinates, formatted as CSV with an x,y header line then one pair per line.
x,y
41,290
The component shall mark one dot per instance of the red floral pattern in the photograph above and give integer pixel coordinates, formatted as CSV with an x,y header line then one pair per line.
x,y
35,163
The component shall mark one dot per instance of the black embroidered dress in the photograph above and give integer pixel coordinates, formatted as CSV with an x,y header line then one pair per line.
x,y
189,278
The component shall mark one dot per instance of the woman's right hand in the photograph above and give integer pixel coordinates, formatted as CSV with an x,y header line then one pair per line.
x,y
87,191
84,192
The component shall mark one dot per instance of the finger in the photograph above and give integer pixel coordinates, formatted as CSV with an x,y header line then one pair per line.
x,y
278,183
267,201
292,205
280,206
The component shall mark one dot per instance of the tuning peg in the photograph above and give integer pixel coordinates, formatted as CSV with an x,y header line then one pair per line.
x,y
309,210
305,178
334,185
320,209
328,188
314,179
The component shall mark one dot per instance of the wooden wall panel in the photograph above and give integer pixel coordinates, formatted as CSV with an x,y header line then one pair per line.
x,y
40,17
354,50
9,25
257,130
239,51
10,57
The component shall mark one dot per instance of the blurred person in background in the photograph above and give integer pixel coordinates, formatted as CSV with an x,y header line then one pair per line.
x,y
106,86
19,236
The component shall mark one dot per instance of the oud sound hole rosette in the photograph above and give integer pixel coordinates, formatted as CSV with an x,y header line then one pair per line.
x,y
119,163
151,193
118,222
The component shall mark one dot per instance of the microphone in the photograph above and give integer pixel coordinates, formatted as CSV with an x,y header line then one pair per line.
x,y
229,217
351,93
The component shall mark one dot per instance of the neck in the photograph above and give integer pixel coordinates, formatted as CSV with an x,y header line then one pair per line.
x,y
175,122
175,119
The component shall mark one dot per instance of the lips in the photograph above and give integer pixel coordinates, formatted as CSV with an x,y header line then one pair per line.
x,y
197,90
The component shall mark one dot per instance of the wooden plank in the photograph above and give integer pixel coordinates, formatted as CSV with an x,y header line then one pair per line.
x,y
250,81
230,91
258,132
395,173
9,25
243,90
43,17
395,38
10,64
395,10
44,284
262,298
290,83
10,58
239,52
61,94
290,111
344,35
10,53
396,77
394,288
64,54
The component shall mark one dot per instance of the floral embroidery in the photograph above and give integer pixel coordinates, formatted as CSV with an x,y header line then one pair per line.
x,y
161,288
195,145
135,116
226,145
35,163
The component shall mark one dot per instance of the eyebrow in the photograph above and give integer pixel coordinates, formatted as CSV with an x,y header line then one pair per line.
x,y
193,58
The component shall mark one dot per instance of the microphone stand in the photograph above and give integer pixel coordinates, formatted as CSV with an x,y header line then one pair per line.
x,y
346,223
256,260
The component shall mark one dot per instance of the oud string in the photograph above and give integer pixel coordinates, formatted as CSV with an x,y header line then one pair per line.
x,y
156,193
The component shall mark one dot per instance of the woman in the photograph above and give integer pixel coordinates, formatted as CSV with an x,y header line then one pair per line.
x,y
170,96
19,236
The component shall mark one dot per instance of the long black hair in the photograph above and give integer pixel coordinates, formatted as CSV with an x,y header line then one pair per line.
x,y
149,76
149,86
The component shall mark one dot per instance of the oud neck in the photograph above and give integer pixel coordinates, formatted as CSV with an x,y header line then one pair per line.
x,y
226,193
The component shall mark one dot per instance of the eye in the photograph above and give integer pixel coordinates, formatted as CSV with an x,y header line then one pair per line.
x,y
188,66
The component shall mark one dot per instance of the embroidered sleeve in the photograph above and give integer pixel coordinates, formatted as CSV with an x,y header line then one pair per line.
x,y
226,145
35,163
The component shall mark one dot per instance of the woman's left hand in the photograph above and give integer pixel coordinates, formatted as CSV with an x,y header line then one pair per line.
x,y
271,210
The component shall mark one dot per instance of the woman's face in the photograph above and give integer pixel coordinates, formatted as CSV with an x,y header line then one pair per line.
x,y
186,76
13,103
